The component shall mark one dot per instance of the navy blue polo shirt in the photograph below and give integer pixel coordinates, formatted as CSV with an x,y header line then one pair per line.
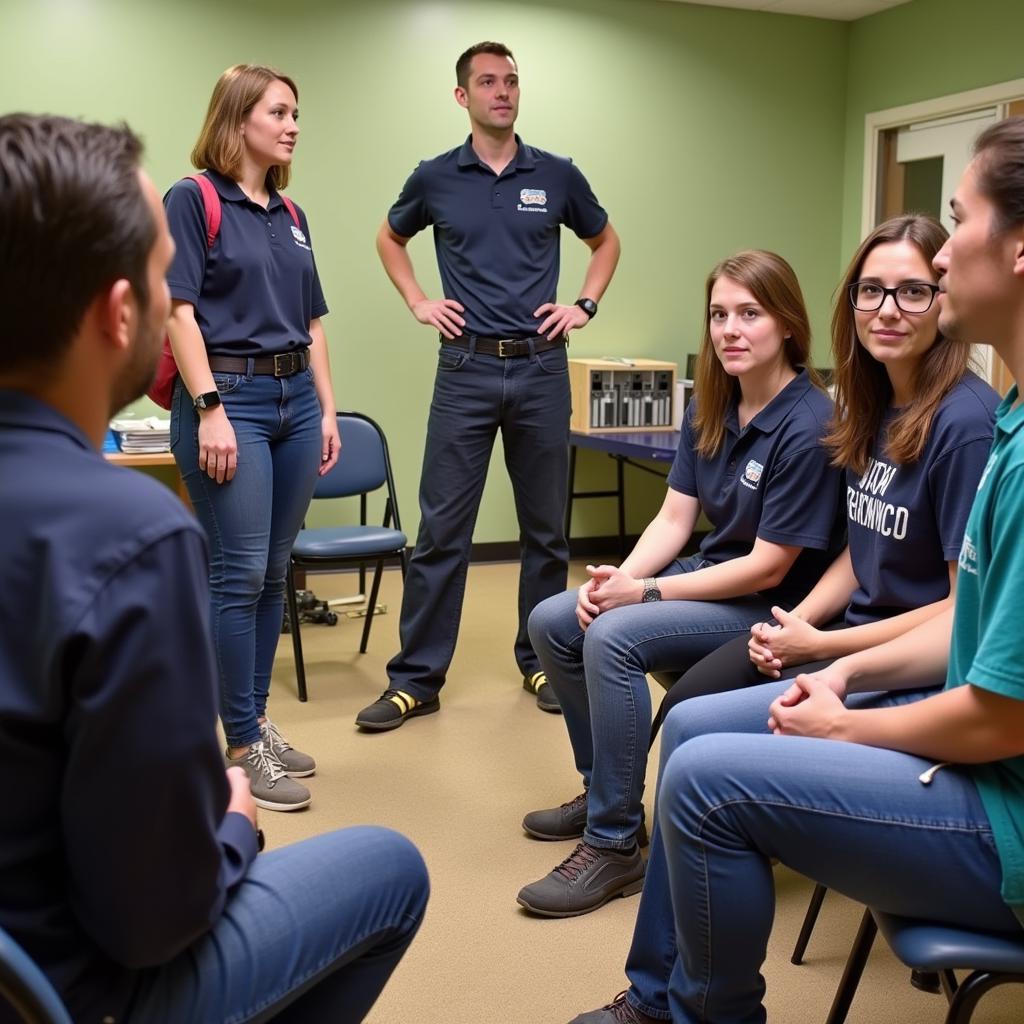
x,y
497,235
117,852
257,289
772,480
906,522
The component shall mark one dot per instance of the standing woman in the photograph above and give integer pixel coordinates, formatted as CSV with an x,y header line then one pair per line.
x,y
253,419
750,458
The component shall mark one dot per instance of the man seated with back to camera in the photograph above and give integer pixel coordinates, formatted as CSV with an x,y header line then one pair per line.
x,y
129,868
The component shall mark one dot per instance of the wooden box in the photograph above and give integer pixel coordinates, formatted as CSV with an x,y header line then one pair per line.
x,y
621,395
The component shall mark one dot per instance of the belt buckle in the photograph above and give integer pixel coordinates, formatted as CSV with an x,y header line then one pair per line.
x,y
284,364
502,342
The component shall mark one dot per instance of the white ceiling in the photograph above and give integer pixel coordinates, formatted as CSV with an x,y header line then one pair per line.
x,y
838,10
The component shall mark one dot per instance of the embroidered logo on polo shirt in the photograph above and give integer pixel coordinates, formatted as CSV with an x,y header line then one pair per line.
x,y
752,474
532,200
300,238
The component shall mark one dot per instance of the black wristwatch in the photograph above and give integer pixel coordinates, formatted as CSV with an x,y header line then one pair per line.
x,y
589,306
207,400
651,591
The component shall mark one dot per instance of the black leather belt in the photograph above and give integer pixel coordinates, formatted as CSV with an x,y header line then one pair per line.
x,y
284,364
505,348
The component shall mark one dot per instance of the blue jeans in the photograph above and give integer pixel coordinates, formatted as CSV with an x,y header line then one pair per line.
x,y
600,677
475,396
855,818
250,523
312,934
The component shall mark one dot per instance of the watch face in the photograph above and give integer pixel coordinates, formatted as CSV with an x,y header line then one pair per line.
x,y
588,306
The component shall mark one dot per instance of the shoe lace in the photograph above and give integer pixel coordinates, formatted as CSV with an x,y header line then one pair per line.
x,y
266,763
576,803
622,1011
274,740
582,858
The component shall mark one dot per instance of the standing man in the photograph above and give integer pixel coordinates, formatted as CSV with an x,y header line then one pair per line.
x,y
128,867
497,206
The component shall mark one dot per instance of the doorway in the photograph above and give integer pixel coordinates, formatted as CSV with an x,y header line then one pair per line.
x,y
914,157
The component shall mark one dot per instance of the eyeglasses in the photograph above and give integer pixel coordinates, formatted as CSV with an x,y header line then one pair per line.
x,y
912,297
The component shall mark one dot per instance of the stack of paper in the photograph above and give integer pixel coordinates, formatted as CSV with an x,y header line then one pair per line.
x,y
143,436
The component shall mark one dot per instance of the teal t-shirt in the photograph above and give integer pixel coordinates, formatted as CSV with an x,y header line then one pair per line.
x,y
987,649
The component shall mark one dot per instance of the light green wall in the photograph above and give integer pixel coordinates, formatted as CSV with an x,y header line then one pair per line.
x,y
920,51
703,130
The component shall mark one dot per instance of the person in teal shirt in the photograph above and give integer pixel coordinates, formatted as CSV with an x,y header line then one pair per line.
x,y
906,799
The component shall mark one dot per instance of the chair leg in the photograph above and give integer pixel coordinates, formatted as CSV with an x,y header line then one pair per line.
x,y
403,559
810,919
374,590
293,615
854,969
926,981
974,986
947,979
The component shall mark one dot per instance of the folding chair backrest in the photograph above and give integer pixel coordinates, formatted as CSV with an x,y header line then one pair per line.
x,y
362,465
24,987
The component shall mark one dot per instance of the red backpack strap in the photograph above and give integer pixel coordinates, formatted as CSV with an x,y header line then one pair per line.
x,y
211,203
292,209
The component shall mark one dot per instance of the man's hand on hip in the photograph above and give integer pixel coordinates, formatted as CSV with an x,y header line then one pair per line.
x,y
559,320
441,314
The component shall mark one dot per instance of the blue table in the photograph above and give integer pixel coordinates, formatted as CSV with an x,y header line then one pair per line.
x,y
656,446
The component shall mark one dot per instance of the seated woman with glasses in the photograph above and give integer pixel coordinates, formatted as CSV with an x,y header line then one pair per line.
x,y
750,458
913,430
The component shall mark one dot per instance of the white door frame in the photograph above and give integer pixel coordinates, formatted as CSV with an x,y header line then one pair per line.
x,y
956,103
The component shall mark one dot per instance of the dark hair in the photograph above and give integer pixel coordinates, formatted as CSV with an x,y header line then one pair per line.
x,y
220,145
863,390
73,219
463,63
1000,164
771,280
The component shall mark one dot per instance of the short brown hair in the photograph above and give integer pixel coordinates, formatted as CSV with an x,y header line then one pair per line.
x,y
237,91
1000,163
863,389
464,61
73,220
771,280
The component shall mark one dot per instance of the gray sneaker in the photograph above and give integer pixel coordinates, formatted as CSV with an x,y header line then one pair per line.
x,y
618,1011
587,879
565,822
568,821
270,786
297,765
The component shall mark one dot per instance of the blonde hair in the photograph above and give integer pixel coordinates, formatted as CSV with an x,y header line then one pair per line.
x,y
220,147
771,280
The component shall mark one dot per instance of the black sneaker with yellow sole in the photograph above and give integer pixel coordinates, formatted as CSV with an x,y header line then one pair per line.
x,y
392,708
537,683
